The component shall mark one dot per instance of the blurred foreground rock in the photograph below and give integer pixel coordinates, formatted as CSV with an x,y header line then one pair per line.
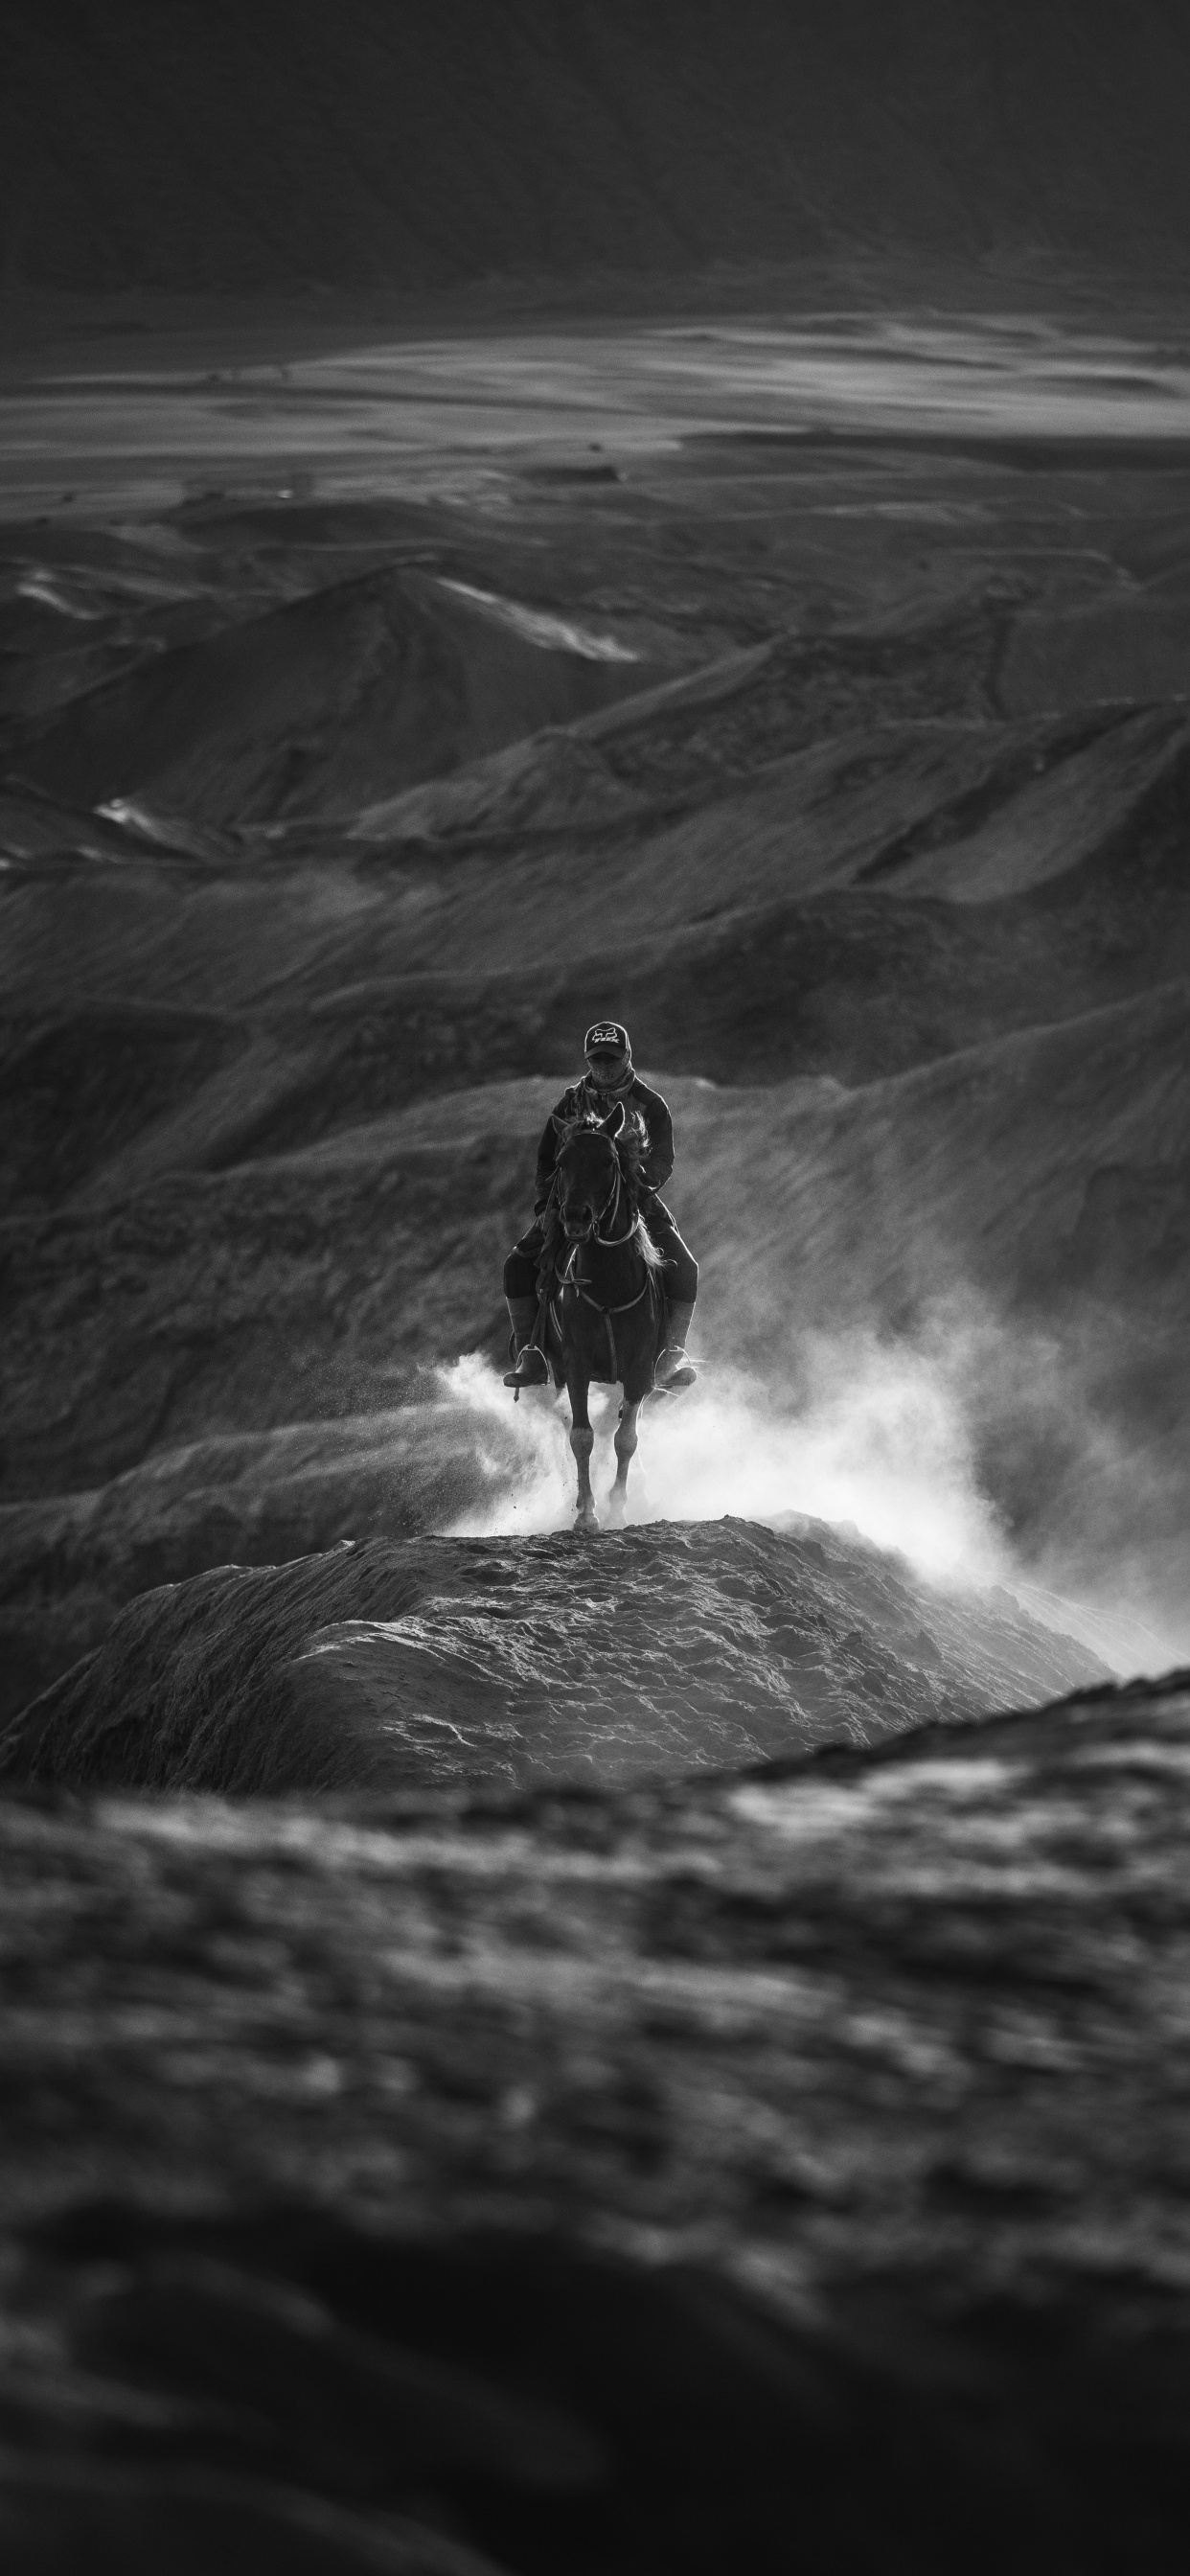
x,y
783,2167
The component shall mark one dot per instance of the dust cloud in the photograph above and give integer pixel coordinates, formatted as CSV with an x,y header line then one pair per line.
x,y
884,1436
874,1437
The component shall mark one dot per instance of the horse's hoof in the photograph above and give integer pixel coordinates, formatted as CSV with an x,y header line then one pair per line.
x,y
584,1521
617,1510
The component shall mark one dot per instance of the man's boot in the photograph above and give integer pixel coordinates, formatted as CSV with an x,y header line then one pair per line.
x,y
529,1367
673,1369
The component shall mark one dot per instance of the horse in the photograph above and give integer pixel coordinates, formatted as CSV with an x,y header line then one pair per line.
x,y
603,1304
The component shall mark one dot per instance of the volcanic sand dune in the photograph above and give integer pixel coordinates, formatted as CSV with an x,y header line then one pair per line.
x,y
960,812
80,1088
1135,648
859,981
452,1662
67,628
323,703
53,836
1042,788
965,806
72,1560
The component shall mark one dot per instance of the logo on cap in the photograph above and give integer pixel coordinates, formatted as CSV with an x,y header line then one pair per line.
x,y
606,1033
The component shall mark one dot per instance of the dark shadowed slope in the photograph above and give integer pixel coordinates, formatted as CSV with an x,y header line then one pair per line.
x,y
453,1662
610,2181
207,147
343,695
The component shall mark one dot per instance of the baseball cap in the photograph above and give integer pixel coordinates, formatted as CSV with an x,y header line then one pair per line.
x,y
606,1037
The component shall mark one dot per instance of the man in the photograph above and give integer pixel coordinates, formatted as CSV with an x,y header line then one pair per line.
x,y
610,1076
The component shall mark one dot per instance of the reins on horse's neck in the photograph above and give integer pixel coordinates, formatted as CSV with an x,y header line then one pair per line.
x,y
610,1242
569,1278
626,1306
607,1243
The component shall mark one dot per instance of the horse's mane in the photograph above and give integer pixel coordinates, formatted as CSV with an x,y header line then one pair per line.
x,y
629,1148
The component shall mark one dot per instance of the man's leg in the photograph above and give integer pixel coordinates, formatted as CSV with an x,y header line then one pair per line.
x,y
673,1369
520,1297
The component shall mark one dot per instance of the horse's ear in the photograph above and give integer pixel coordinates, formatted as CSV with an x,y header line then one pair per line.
x,y
559,1125
613,1124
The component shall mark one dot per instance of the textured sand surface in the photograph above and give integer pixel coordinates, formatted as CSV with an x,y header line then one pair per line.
x,y
616,2181
461,1661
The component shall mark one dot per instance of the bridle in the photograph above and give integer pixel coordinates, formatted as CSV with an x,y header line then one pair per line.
x,y
607,1242
567,1276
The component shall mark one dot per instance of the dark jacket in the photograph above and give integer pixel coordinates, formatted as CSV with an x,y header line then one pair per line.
x,y
649,1105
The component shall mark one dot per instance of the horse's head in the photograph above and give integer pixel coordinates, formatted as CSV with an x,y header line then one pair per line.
x,y
588,1170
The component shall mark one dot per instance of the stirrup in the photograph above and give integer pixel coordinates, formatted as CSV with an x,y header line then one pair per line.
x,y
531,1358
683,1372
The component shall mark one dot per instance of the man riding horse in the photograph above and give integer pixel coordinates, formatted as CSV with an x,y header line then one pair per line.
x,y
610,1078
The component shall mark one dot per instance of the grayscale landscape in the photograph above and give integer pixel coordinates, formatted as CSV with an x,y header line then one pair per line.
x,y
661,2048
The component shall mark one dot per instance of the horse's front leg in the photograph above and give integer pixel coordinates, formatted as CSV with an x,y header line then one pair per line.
x,y
625,1448
582,1441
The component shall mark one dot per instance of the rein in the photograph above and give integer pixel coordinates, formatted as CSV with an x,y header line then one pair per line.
x,y
608,1243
